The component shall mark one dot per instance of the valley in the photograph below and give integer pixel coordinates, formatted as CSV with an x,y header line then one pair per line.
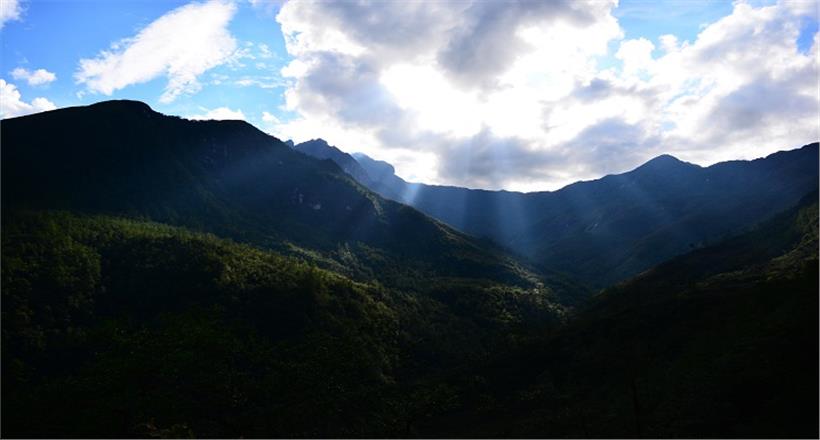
x,y
170,278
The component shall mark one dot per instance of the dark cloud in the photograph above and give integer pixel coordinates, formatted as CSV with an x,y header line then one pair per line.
x,y
611,146
599,89
752,104
390,30
485,43
349,87
472,41
758,104
488,161
394,28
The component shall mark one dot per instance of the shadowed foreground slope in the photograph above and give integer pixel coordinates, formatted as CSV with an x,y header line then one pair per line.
x,y
721,342
120,328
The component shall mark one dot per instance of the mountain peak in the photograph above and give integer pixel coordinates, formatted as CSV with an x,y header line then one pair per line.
x,y
317,141
373,166
123,104
319,148
665,162
664,159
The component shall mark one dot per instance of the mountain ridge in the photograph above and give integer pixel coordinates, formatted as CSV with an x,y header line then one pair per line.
x,y
600,231
167,278
650,197
231,179
720,342
320,149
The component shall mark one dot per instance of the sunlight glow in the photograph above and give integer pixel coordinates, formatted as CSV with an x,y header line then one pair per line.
x,y
437,105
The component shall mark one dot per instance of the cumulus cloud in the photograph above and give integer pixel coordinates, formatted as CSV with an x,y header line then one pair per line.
x,y
33,78
180,45
519,95
10,10
11,103
742,89
219,114
636,55
491,35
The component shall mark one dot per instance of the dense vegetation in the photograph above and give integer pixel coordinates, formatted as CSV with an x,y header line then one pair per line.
x,y
115,327
202,279
721,343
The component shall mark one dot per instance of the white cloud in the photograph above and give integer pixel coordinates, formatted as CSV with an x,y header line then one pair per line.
x,y
264,51
514,95
10,10
741,90
400,80
669,42
261,81
12,105
636,54
268,117
180,45
219,114
33,78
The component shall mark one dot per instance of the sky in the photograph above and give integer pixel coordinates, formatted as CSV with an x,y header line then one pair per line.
x,y
524,96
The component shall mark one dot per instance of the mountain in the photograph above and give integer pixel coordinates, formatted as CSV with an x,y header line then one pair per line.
x,y
720,342
376,175
165,278
609,229
621,225
122,328
171,278
115,327
383,179
228,178
320,149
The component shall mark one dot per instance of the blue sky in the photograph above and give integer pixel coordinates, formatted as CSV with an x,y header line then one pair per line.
x,y
560,91
55,35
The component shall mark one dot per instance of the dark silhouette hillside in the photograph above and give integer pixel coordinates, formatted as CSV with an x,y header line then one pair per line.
x,y
227,177
720,342
130,310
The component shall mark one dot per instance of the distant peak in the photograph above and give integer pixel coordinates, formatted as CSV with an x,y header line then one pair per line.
x,y
665,161
123,104
664,158
378,166
662,163
317,141
316,146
